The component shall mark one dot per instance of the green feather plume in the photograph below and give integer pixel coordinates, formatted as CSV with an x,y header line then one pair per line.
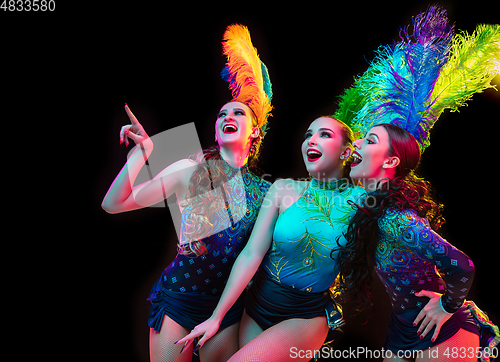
x,y
349,105
473,63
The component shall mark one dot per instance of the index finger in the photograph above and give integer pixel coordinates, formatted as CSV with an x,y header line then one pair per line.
x,y
130,115
189,337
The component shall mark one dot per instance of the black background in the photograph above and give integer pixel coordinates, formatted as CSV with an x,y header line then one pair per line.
x,y
67,75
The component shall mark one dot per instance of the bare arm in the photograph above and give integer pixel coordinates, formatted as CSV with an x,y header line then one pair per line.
x,y
245,265
249,260
122,196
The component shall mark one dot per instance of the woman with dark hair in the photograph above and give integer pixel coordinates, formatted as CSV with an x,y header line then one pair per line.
x,y
219,198
394,234
395,103
289,307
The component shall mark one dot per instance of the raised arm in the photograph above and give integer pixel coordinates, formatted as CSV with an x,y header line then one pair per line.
x,y
121,196
245,265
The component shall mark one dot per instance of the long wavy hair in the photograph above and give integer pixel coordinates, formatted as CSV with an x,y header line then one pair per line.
x,y
406,190
209,175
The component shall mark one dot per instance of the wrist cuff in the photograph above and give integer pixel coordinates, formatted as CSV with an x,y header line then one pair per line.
x,y
442,307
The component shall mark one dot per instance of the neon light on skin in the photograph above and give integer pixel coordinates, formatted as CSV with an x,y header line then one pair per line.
x,y
322,149
375,165
235,141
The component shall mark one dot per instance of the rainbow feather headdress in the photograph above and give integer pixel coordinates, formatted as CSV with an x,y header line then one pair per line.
x,y
410,83
246,74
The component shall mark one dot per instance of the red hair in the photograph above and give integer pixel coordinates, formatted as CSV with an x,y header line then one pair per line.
x,y
404,146
405,191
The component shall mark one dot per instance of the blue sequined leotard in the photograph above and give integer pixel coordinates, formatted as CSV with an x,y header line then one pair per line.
x,y
190,287
307,231
298,270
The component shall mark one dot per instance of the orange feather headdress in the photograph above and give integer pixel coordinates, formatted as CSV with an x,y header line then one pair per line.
x,y
246,74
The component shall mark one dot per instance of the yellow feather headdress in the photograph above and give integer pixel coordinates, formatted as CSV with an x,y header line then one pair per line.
x,y
246,74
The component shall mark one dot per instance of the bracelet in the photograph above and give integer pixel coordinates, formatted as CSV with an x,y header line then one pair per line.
x,y
442,308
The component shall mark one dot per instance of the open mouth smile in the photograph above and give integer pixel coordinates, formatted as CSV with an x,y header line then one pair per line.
x,y
313,155
229,128
357,159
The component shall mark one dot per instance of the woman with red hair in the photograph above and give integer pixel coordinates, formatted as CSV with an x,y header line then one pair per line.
x,y
393,233
394,105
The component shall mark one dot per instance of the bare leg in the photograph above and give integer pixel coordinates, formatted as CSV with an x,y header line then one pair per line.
x,y
222,346
394,358
162,347
249,329
461,347
285,341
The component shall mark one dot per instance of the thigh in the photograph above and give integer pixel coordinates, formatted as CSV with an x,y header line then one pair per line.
x,y
294,339
461,347
222,346
249,329
393,357
161,344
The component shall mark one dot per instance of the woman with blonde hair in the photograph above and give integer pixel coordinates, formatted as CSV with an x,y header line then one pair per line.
x,y
219,198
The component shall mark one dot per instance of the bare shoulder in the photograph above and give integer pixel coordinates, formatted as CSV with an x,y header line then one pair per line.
x,y
287,185
287,191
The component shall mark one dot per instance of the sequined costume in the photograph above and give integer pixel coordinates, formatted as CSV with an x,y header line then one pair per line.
x,y
190,287
299,258
407,253
408,257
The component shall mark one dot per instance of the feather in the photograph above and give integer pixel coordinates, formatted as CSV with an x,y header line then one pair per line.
x,y
474,62
247,76
410,83
397,85
267,81
400,80
349,105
